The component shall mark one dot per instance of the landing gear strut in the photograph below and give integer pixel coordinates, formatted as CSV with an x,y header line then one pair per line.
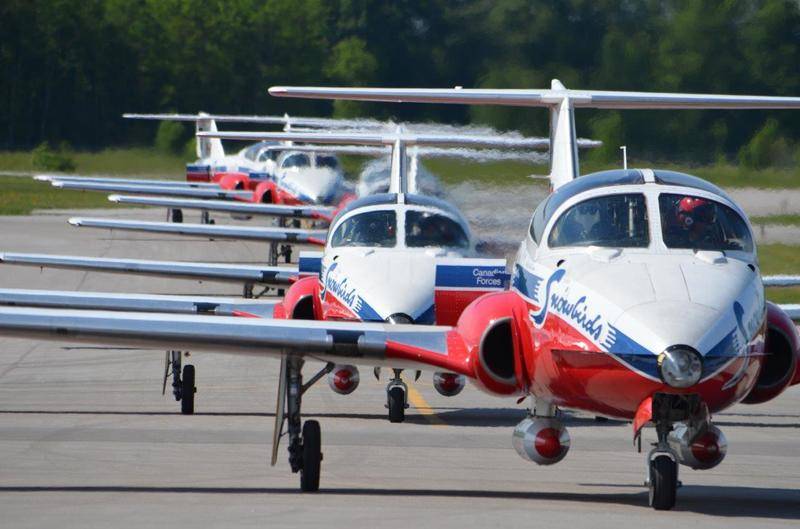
x,y
397,397
662,461
305,439
183,388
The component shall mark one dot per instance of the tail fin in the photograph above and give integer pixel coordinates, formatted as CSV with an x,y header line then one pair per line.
x,y
560,100
208,148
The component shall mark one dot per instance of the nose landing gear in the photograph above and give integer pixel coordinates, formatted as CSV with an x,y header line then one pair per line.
x,y
397,397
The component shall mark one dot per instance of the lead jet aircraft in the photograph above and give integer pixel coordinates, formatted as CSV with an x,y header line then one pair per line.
x,y
636,295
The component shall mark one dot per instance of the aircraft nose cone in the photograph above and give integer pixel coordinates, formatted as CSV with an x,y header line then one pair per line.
x,y
394,283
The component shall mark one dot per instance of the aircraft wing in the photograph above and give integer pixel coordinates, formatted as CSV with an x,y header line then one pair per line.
x,y
792,310
411,346
781,281
229,206
211,305
127,181
270,275
212,231
163,190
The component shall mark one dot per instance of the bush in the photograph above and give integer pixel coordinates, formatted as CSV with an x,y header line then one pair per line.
x,y
767,148
44,157
170,137
608,129
190,150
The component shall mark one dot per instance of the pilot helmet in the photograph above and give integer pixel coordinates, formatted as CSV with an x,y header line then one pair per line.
x,y
693,210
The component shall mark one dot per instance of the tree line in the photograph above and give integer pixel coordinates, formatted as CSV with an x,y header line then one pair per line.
x,y
70,68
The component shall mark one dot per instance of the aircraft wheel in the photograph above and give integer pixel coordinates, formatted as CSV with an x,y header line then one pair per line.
x,y
312,457
397,404
663,483
177,215
187,390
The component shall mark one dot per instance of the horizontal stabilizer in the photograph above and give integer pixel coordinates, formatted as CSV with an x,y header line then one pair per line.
x,y
275,120
269,275
781,281
209,305
212,231
388,138
176,191
541,97
229,206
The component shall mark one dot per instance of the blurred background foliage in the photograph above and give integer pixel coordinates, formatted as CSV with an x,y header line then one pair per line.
x,y
71,67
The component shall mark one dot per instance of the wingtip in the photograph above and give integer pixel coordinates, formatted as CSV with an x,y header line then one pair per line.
x,y
114,198
57,183
75,221
277,90
43,177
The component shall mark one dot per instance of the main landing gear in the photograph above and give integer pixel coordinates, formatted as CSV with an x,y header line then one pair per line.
x,y
305,439
183,388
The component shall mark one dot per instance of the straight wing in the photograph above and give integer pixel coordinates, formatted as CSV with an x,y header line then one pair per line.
x,y
212,231
163,190
412,346
126,181
792,310
781,281
229,206
270,275
218,306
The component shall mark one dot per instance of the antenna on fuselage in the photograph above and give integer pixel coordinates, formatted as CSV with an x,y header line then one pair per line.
x,y
624,150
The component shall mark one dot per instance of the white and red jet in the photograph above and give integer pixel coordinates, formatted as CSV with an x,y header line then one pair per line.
x,y
636,294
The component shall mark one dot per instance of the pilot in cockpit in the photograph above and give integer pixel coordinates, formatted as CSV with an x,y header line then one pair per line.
x,y
694,223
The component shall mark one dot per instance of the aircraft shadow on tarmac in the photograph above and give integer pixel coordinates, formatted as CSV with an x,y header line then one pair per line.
x,y
474,417
746,502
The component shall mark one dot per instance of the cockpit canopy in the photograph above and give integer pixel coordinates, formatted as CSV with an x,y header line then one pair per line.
x,y
682,218
302,160
421,229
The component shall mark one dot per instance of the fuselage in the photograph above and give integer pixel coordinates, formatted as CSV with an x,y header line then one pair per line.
x,y
379,263
614,272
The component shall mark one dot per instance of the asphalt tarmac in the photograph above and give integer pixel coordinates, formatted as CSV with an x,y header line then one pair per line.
x,y
87,439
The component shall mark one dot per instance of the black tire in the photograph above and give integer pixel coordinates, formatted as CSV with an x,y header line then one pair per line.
x,y
187,390
177,215
663,483
312,457
397,404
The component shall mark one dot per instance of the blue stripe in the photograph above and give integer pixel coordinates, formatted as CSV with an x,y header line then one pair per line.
x,y
309,265
465,276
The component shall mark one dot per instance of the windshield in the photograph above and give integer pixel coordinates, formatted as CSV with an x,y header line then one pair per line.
x,y
618,221
267,154
424,229
296,160
375,229
702,224
327,161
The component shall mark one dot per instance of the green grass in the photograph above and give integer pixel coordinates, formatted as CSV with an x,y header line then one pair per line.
x,y
131,161
780,259
143,161
20,195
784,220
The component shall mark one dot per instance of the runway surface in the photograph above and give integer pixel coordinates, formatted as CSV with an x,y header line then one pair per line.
x,y
87,440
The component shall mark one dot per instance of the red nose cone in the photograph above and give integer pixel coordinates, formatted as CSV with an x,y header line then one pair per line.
x,y
705,448
342,380
547,443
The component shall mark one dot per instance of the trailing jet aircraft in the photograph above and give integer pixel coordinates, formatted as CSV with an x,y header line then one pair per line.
x,y
407,234
636,295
